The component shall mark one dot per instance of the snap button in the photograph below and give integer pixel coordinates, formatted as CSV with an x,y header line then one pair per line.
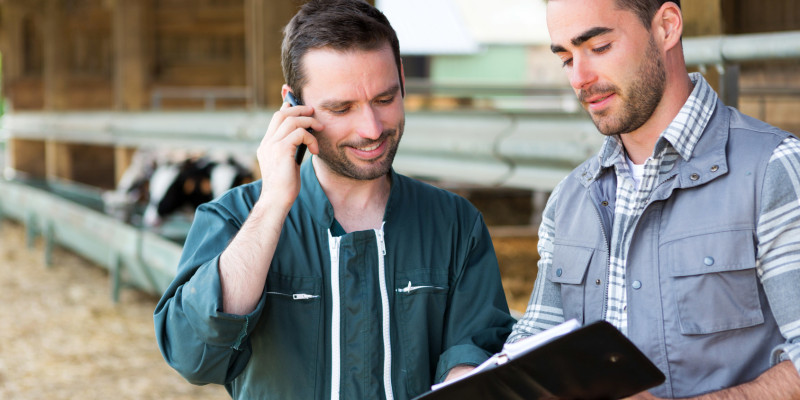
x,y
714,168
694,177
636,284
597,282
559,272
708,261
604,203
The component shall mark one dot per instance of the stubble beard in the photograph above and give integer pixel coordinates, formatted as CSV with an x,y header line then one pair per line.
x,y
640,98
338,161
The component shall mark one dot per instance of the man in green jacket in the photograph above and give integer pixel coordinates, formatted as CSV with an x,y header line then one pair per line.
x,y
340,278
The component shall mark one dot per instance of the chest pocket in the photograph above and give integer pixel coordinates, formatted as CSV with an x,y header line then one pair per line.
x,y
421,301
569,267
714,281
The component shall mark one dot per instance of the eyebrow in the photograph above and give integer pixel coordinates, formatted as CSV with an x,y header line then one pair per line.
x,y
582,38
334,104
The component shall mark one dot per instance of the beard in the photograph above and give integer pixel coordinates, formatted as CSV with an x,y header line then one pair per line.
x,y
338,161
639,99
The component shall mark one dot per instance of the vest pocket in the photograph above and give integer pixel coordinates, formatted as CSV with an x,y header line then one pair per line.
x,y
714,281
421,300
568,269
286,341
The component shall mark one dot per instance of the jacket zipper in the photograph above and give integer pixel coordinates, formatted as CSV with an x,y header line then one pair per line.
x,y
333,246
387,344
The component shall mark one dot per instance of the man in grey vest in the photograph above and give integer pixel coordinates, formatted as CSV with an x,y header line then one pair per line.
x,y
684,231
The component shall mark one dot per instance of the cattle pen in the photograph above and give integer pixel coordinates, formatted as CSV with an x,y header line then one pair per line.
x,y
500,148
489,152
72,217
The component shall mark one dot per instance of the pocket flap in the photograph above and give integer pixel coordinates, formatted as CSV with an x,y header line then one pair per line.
x,y
710,253
422,280
569,264
285,284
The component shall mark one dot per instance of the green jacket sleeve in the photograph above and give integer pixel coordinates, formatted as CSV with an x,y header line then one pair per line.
x,y
477,320
196,338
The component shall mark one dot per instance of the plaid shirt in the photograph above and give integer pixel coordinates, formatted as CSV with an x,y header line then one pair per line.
x,y
778,230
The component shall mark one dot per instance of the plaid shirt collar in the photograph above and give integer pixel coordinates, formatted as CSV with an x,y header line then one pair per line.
x,y
682,134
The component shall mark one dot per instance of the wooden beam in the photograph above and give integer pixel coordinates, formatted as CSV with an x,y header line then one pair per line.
x,y
11,41
57,161
131,55
26,156
264,23
702,17
123,156
55,57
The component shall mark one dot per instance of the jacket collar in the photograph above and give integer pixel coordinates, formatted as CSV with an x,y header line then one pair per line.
x,y
316,202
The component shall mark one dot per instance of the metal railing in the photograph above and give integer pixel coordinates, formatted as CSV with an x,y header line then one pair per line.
x,y
209,95
532,150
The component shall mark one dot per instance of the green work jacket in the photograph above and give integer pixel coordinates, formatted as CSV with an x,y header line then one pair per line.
x,y
371,314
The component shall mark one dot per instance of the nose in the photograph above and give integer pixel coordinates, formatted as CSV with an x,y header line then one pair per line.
x,y
369,124
581,73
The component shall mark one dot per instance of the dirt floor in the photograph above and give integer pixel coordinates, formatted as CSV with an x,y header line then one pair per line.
x,y
62,337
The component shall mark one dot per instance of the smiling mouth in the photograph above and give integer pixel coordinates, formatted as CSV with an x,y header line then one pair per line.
x,y
600,100
370,148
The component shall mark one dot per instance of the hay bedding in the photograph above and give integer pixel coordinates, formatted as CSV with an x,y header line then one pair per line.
x,y
61,337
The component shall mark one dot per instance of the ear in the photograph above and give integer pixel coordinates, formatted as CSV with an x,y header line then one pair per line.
x,y
285,89
668,25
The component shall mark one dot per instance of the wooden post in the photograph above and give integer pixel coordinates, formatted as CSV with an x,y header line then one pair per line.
x,y
58,161
131,58
123,156
264,22
702,17
26,156
11,43
55,58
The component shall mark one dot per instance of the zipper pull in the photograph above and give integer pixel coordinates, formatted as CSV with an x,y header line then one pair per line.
x,y
303,296
405,289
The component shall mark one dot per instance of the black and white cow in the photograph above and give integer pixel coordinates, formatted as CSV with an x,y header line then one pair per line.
x,y
189,184
164,185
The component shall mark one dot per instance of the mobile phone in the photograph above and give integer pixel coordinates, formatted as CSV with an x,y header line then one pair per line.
x,y
301,149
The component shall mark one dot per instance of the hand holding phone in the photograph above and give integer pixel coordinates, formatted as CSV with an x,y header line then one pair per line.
x,y
301,149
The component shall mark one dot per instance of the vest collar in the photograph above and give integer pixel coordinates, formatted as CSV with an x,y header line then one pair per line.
x,y
708,159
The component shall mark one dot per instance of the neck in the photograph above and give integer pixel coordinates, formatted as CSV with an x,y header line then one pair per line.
x,y
640,143
357,205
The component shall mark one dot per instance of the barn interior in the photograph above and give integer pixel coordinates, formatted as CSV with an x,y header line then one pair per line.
x,y
86,84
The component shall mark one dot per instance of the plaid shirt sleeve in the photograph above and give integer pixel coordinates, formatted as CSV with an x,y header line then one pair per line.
x,y
778,235
544,308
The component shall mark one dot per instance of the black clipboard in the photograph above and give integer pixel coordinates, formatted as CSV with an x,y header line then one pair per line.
x,y
595,361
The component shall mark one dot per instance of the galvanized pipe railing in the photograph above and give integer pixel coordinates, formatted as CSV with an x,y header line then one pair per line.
x,y
489,147
714,50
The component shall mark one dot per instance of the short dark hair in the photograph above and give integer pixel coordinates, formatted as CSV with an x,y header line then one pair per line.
x,y
339,24
644,9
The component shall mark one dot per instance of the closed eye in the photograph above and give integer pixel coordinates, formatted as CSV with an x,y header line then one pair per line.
x,y
601,49
339,111
385,100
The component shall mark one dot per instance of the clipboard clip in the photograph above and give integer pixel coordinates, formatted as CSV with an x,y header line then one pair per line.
x,y
501,359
